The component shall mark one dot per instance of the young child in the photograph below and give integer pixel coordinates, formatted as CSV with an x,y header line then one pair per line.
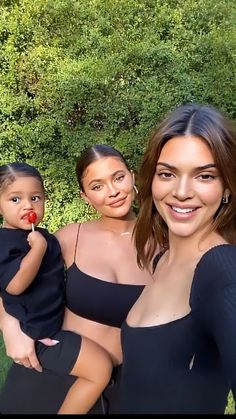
x,y
32,286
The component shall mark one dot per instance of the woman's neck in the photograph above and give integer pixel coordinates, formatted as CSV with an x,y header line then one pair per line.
x,y
121,226
191,248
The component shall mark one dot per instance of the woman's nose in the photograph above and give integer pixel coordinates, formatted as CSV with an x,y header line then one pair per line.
x,y
112,190
183,189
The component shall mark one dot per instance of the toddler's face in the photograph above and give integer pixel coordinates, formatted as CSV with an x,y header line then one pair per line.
x,y
17,199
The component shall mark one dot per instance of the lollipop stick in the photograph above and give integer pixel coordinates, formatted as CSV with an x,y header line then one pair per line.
x,y
32,217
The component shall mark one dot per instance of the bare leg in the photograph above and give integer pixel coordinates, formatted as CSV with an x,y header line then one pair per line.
x,y
93,369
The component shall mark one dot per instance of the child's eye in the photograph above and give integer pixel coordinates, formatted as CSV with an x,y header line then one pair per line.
x,y
36,198
15,199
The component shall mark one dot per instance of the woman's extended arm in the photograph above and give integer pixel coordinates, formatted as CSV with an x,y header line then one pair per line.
x,y
19,346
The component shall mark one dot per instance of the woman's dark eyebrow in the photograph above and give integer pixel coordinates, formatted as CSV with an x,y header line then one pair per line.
x,y
100,180
199,168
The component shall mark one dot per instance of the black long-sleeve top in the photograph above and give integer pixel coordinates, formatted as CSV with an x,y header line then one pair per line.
x,y
187,365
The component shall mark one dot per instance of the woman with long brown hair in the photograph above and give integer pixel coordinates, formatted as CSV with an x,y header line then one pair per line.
x,y
179,338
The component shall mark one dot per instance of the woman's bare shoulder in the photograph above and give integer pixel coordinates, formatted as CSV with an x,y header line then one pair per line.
x,y
66,236
66,230
71,230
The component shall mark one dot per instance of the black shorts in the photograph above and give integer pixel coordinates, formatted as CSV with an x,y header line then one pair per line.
x,y
61,357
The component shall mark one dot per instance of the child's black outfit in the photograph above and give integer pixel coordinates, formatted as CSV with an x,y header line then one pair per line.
x,y
40,308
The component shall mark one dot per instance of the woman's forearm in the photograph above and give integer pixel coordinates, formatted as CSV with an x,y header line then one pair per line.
x,y
6,320
2,315
19,346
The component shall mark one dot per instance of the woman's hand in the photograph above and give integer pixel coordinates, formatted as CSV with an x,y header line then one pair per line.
x,y
19,346
24,351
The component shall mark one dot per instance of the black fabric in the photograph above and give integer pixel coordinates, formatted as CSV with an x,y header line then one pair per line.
x,y
101,301
186,366
62,357
40,308
27,391
42,393
98,300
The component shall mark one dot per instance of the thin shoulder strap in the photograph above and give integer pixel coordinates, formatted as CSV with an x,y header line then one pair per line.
x,y
77,238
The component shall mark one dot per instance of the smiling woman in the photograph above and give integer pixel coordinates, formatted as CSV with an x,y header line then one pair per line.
x,y
179,338
112,191
187,188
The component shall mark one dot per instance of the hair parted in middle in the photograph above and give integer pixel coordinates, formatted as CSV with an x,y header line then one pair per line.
x,y
93,153
11,171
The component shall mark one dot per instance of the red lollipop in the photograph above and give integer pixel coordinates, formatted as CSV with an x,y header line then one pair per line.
x,y
32,217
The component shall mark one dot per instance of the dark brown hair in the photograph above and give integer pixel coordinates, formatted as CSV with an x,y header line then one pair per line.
x,y
93,153
11,171
219,133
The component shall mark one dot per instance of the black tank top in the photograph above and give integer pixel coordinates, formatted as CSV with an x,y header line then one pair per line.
x,y
94,299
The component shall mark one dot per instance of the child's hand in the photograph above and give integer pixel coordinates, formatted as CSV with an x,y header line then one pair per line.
x,y
37,241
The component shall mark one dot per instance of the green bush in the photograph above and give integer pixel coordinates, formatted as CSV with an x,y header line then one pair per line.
x,y
77,72
5,362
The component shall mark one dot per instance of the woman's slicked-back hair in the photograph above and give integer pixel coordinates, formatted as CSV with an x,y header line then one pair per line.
x,y
207,123
93,153
11,171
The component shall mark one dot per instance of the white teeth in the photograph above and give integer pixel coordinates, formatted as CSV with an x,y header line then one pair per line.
x,y
182,210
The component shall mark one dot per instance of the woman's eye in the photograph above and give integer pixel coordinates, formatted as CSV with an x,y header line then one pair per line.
x,y
165,175
207,176
96,187
120,178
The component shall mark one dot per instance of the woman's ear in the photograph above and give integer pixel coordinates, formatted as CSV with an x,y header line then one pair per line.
x,y
84,197
133,179
133,176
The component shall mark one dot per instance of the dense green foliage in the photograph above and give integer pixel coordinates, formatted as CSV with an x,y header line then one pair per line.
x,y
79,72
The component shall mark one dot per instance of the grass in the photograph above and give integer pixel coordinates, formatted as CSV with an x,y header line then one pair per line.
x,y
230,408
5,363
